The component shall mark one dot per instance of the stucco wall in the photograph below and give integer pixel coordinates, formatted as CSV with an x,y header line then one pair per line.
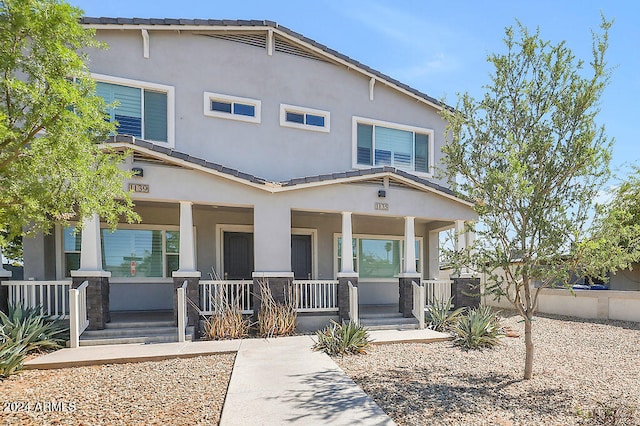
x,y
194,64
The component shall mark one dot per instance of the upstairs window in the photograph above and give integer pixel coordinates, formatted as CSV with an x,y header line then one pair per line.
x,y
231,107
386,144
304,118
140,109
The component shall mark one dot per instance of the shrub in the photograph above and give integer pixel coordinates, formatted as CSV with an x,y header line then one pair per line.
x,y
440,316
22,331
480,328
609,414
11,357
227,321
276,318
26,325
341,339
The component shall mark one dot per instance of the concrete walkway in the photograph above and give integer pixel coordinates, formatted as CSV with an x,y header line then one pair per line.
x,y
274,381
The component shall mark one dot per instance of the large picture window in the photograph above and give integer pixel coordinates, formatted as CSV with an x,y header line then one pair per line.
x,y
377,257
385,144
129,253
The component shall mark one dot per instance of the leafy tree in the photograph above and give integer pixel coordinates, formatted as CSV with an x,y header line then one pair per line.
x,y
52,168
615,241
532,157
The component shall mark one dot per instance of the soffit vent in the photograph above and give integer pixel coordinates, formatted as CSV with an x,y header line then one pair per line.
x,y
141,158
255,39
283,46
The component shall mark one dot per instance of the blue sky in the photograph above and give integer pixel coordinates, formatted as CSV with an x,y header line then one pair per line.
x,y
440,47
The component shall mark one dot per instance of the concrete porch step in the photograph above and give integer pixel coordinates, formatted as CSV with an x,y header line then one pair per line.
x,y
138,324
162,338
390,323
128,332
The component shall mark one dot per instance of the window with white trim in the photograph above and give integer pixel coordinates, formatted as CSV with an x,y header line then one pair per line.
x,y
378,257
378,143
305,118
231,107
143,110
129,253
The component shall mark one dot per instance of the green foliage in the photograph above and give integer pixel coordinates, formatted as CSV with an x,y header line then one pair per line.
x,y
479,329
441,317
532,157
609,414
12,356
25,325
23,331
51,121
276,318
615,241
342,339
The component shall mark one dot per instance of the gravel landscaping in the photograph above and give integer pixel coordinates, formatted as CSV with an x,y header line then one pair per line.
x,y
578,364
178,391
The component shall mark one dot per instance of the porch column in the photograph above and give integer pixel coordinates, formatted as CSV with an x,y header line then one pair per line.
x,y
272,250
4,290
409,245
347,273
347,244
92,272
187,261
409,273
187,265
433,258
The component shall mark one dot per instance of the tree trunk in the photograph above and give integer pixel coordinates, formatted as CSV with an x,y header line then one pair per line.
x,y
528,343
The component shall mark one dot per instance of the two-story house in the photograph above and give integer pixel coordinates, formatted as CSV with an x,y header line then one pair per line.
x,y
260,154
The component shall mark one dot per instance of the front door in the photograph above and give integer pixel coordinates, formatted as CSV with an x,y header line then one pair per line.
x,y
301,256
238,255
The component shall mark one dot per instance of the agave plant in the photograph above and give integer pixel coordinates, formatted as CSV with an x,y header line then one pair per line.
x,y
12,356
341,339
480,328
25,325
441,317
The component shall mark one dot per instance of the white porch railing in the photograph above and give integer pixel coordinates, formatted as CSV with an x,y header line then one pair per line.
x,y
78,320
51,296
316,295
214,293
353,303
418,303
438,291
182,312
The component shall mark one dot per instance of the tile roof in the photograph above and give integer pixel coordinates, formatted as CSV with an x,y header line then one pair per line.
x,y
257,23
287,183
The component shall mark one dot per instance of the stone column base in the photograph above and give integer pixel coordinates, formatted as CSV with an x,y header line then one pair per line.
x,y
466,292
343,295
192,293
405,300
97,300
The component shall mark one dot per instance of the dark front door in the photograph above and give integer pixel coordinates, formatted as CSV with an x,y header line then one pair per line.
x,y
238,255
301,256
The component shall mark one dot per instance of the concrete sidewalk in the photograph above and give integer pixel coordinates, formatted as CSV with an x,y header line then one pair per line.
x,y
274,381
282,381
133,352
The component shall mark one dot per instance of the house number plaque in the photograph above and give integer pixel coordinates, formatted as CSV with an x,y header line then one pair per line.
x,y
139,187
382,206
